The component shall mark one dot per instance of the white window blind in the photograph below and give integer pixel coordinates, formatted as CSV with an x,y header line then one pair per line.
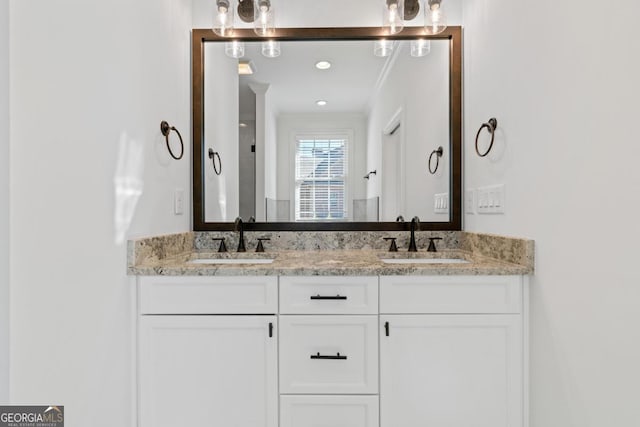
x,y
321,178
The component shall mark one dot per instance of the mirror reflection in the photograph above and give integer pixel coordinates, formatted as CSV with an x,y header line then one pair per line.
x,y
326,131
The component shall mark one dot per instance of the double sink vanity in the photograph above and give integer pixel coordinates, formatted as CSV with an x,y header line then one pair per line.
x,y
331,329
327,327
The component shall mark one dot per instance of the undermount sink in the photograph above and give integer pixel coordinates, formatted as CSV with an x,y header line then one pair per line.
x,y
424,261
231,261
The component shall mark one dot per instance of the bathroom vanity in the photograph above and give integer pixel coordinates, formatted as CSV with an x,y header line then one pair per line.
x,y
327,328
332,337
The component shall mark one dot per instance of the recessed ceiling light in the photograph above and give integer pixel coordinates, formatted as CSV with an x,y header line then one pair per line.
x,y
242,124
323,65
321,103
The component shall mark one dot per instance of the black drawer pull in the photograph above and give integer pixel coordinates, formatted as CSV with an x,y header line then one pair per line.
x,y
323,297
336,357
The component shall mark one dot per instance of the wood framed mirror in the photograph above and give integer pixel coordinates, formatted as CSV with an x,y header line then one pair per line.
x,y
356,163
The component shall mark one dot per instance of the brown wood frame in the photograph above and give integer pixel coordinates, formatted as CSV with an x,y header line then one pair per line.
x,y
453,34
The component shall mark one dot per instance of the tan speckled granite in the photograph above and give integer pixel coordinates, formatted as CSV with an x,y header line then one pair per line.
x,y
331,254
325,240
159,248
509,249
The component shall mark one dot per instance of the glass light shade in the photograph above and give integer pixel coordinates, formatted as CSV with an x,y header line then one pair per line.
x,y
420,48
393,16
223,19
264,22
234,49
383,48
435,20
271,49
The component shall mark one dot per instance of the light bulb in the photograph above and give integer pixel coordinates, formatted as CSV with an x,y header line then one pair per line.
x,y
223,19
435,20
264,18
393,18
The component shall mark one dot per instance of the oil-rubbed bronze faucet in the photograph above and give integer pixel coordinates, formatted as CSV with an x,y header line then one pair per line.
x,y
415,225
239,226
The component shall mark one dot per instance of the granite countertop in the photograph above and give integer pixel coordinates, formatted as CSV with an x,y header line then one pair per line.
x,y
153,258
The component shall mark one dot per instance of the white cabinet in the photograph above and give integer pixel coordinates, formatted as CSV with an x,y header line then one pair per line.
x,y
389,351
453,370
442,363
208,370
203,366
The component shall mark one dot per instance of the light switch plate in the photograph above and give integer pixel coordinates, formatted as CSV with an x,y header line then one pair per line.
x,y
491,199
470,201
178,201
441,203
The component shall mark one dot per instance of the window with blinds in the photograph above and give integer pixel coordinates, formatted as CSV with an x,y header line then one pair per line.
x,y
321,178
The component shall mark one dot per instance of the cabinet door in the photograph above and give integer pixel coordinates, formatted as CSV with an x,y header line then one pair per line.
x,y
451,370
208,370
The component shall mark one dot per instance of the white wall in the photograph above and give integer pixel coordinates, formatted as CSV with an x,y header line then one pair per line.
x,y
82,72
4,201
562,80
424,127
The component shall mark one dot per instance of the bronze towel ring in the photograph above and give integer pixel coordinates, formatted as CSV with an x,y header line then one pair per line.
x,y
212,156
491,127
438,154
166,130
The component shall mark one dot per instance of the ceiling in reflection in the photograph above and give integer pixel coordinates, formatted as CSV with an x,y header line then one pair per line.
x,y
296,84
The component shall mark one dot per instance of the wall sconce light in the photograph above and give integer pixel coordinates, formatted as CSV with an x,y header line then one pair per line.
x,y
234,49
435,20
223,19
420,48
393,16
398,11
382,48
271,49
258,12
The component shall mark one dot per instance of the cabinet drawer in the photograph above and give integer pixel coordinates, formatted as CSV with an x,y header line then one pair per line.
x,y
208,295
330,411
329,295
329,354
450,294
